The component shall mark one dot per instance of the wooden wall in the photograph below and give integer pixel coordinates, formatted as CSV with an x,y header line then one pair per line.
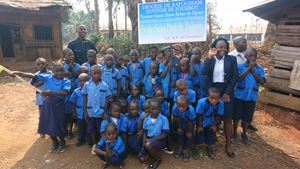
x,y
29,48
285,53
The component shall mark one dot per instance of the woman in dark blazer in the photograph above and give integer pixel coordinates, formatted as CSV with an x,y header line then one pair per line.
x,y
221,71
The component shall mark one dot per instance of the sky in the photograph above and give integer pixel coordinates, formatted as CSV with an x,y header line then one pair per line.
x,y
229,13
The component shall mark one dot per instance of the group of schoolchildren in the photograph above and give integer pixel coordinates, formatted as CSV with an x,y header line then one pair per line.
x,y
138,107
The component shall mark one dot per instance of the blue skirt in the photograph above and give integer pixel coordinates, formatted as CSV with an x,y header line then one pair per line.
x,y
53,119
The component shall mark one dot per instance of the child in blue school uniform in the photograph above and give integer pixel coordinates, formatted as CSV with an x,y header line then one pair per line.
x,y
148,60
77,108
156,128
53,118
111,148
209,111
151,81
182,89
81,69
71,74
165,111
165,72
129,128
114,117
135,69
196,71
92,60
184,117
136,96
111,75
95,93
251,76
184,74
41,66
124,76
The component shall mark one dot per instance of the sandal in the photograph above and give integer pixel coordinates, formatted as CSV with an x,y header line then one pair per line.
x,y
154,164
186,156
177,154
210,153
230,154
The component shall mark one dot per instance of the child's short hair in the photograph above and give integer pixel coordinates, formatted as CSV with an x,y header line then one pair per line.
x,y
183,98
92,51
153,63
134,102
111,126
116,103
184,61
250,49
111,51
134,52
108,55
214,90
153,47
196,51
155,101
181,83
57,65
96,67
65,51
137,86
83,76
41,59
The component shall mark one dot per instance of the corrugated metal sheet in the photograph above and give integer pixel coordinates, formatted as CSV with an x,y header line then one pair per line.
x,y
33,4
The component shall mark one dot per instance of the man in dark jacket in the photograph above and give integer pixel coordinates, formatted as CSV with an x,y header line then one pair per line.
x,y
81,45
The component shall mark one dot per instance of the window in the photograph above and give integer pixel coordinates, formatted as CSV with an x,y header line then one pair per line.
x,y
42,32
254,37
237,35
225,36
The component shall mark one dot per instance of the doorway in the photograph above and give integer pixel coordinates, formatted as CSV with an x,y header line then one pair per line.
x,y
6,41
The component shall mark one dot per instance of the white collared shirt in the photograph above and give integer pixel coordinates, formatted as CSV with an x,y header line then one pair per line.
x,y
240,56
218,75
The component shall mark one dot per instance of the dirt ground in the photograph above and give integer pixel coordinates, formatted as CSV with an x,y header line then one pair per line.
x,y
275,145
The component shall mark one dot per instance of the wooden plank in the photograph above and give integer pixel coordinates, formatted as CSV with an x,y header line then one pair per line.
x,y
288,29
281,85
295,76
282,64
282,53
287,48
288,40
280,73
285,101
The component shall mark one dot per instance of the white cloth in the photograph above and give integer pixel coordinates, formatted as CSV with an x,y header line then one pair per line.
x,y
240,56
218,76
153,120
115,120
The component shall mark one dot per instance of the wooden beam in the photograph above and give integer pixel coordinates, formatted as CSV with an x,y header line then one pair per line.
x,y
277,99
295,76
280,73
281,85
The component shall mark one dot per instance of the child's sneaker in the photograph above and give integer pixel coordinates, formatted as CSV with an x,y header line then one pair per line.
x,y
245,139
210,153
53,148
177,154
61,148
186,156
168,150
234,138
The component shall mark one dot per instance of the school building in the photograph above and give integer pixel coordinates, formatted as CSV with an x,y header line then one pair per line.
x,y
31,28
